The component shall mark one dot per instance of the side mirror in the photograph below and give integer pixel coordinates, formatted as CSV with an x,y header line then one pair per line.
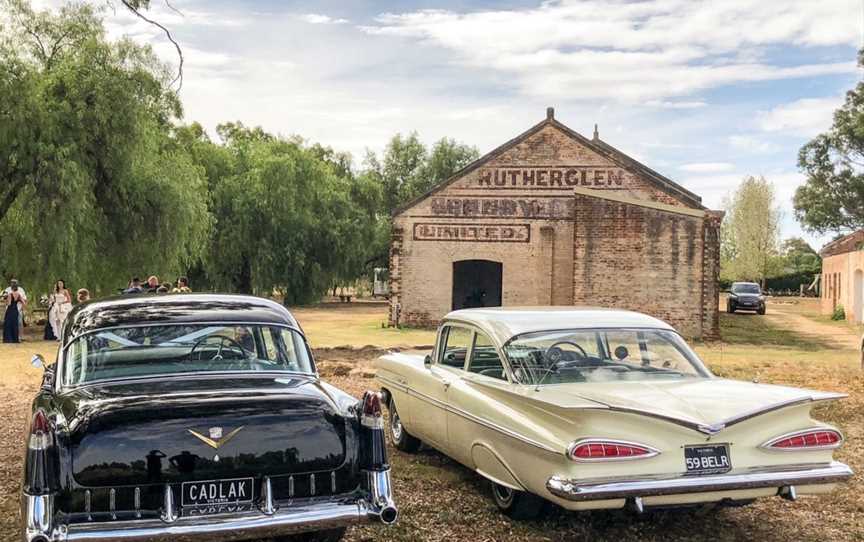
x,y
427,361
37,361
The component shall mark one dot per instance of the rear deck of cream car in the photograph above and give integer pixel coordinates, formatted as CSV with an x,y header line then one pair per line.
x,y
517,435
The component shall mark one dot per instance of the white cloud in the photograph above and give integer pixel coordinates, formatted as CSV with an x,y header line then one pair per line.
x,y
806,117
752,144
665,104
707,167
633,51
318,18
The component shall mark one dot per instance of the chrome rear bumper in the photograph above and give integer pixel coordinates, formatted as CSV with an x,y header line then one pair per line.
x,y
271,518
648,486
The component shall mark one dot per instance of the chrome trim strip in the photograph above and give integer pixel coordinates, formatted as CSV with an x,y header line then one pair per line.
x,y
470,417
652,452
644,486
768,444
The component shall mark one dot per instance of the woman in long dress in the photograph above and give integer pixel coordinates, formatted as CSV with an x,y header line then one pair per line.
x,y
10,319
61,304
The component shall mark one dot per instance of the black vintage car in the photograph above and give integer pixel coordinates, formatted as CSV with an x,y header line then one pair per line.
x,y
197,417
746,296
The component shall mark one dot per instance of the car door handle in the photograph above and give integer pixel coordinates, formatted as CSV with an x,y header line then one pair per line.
x,y
446,384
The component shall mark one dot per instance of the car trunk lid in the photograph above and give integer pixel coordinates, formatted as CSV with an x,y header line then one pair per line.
x,y
168,431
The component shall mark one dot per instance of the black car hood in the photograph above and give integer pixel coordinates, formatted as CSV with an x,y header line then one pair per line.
x,y
142,432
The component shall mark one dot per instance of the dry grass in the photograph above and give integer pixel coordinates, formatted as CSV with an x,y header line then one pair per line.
x,y
441,500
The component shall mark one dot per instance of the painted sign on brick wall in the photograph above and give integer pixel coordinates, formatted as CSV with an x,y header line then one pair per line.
x,y
484,233
549,177
502,207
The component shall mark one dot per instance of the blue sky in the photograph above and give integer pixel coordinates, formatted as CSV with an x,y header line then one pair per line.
x,y
704,92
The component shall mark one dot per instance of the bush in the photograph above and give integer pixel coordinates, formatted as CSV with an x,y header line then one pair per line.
x,y
839,313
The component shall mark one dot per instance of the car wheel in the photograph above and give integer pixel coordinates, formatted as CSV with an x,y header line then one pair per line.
x,y
402,439
730,309
519,505
761,311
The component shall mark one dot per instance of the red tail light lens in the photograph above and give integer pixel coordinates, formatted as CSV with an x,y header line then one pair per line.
x,y
608,450
813,439
40,431
371,415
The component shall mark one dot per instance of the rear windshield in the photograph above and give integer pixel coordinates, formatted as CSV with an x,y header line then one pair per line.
x,y
745,289
168,349
602,355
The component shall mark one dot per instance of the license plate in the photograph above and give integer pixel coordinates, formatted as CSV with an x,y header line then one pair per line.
x,y
712,459
218,492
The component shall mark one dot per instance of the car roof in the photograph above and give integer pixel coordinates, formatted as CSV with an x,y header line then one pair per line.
x,y
137,309
504,323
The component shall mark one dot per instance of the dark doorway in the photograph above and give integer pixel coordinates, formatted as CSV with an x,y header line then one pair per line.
x,y
476,283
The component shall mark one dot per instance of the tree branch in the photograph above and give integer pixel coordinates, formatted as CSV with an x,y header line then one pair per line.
x,y
179,77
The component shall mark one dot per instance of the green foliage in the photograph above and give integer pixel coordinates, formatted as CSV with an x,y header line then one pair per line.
x,y
798,257
407,170
288,217
750,233
94,184
839,313
832,198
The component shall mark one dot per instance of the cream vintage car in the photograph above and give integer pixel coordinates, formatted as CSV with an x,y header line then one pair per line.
x,y
594,409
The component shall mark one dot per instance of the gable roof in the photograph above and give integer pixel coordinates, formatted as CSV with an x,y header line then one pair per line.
x,y
847,243
596,145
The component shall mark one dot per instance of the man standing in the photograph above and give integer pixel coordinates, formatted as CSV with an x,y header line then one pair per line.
x,y
21,303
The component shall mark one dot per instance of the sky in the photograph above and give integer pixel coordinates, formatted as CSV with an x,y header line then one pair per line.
x,y
705,92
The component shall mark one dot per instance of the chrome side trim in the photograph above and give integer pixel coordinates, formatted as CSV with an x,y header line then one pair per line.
x,y
645,486
652,452
471,417
768,445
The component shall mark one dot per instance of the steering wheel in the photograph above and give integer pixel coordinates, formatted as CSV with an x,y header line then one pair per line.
x,y
554,354
223,341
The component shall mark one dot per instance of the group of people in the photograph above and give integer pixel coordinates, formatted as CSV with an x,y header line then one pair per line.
x,y
59,303
153,286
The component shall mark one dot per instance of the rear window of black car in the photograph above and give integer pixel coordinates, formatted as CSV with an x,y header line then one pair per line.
x,y
142,351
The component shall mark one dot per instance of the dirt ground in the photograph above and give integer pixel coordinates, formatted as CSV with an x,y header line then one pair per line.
x,y
440,500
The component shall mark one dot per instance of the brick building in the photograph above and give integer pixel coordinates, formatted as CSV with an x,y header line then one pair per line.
x,y
554,218
842,280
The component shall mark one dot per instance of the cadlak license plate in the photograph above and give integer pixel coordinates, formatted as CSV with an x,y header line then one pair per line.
x,y
711,459
218,492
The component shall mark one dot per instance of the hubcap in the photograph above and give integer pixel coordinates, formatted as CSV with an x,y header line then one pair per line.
x,y
395,426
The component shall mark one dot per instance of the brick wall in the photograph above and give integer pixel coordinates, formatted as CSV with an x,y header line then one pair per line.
x,y
638,258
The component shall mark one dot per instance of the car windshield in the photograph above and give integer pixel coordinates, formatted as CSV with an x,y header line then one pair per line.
x,y
602,355
129,352
745,289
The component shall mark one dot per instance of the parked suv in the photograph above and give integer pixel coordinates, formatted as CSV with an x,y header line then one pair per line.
x,y
745,296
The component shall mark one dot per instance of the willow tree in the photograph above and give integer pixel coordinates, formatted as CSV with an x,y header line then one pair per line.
x,y
94,185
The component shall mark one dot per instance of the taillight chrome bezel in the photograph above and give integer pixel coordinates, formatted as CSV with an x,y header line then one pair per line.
x,y
770,444
652,452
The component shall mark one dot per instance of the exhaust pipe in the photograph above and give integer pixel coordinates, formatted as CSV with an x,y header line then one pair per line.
x,y
380,503
388,515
